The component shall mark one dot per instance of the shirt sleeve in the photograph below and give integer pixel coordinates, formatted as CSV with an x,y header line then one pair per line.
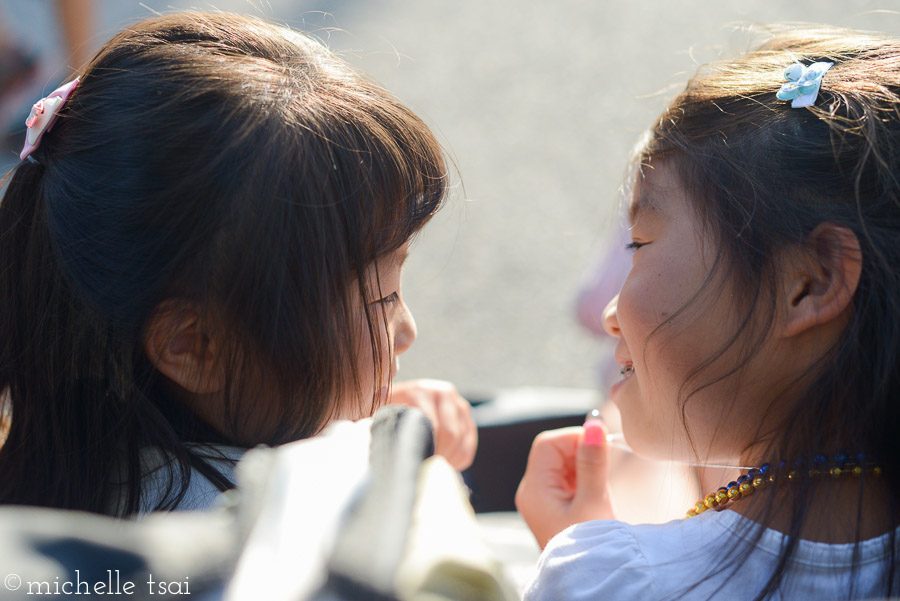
x,y
599,560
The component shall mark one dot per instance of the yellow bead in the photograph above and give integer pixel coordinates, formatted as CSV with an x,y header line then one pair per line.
x,y
734,493
836,472
794,475
877,470
710,501
721,497
857,470
759,483
700,507
746,489
691,513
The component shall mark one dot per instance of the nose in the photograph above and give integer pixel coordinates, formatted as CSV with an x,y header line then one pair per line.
x,y
405,331
610,319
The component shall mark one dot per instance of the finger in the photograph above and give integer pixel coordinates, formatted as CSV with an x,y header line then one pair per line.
x,y
469,446
463,453
449,426
553,453
592,463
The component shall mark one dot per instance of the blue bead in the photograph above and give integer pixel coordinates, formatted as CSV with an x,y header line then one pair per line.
x,y
731,484
842,458
742,479
764,468
754,474
820,459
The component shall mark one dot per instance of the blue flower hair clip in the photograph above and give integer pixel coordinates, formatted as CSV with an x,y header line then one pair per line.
x,y
803,83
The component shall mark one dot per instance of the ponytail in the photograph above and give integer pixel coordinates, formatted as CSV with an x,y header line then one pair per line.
x,y
35,460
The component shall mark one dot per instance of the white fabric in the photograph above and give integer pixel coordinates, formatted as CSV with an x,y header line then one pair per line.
x,y
445,552
610,560
295,496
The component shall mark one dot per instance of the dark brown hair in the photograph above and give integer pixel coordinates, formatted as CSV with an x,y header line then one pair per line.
x,y
210,157
762,175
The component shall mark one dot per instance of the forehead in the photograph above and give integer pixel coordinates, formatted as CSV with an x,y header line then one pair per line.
x,y
395,259
654,189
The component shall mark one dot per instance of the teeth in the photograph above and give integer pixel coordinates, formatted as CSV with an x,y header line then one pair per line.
x,y
627,370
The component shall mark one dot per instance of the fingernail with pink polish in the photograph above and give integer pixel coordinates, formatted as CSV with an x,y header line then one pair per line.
x,y
594,434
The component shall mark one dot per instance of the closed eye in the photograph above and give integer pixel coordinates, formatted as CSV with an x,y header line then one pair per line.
x,y
633,246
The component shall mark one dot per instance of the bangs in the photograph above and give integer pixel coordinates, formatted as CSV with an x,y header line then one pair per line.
x,y
388,171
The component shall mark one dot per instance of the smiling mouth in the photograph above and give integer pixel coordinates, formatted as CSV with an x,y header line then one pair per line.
x,y
627,370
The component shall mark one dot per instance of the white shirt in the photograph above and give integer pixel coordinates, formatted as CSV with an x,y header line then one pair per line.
x,y
157,472
610,560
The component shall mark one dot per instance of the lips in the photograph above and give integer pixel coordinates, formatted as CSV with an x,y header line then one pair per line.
x,y
627,371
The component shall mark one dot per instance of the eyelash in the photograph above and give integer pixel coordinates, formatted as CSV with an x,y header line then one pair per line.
x,y
390,299
634,246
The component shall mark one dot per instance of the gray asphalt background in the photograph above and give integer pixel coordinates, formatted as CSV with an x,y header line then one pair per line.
x,y
539,104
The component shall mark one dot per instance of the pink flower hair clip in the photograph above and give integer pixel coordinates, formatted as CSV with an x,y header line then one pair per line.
x,y
43,114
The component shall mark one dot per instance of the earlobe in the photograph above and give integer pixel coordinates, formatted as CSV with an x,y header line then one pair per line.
x,y
178,347
821,286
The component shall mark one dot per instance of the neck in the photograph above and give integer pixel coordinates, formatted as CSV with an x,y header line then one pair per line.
x,y
836,511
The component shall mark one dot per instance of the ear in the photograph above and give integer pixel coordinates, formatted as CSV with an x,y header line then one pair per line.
x,y
821,286
180,349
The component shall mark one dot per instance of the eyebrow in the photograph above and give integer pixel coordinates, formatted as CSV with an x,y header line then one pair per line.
x,y
642,202
399,257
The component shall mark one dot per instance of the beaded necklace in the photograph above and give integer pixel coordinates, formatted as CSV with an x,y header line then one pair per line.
x,y
766,475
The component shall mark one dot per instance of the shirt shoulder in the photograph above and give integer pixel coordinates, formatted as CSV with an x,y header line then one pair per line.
x,y
162,476
594,560
611,560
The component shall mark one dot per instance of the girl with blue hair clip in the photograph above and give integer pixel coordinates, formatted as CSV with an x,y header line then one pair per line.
x,y
759,327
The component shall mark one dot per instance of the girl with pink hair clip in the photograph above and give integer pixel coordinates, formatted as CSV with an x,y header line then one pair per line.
x,y
202,252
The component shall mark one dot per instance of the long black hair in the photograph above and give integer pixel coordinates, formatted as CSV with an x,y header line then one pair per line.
x,y
218,159
762,176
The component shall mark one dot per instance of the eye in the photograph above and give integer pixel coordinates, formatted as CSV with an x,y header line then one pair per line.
x,y
390,299
633,246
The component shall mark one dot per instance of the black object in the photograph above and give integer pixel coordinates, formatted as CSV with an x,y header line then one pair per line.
x,y
501,459
507,425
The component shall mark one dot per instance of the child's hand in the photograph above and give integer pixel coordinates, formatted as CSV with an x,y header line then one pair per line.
x,y
455,434
566,480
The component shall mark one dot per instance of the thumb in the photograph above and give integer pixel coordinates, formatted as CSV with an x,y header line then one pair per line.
x,y
592,464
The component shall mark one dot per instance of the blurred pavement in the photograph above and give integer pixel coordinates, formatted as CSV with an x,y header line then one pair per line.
x,y
539,104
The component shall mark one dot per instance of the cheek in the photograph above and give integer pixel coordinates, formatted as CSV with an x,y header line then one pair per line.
x,y
666,332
